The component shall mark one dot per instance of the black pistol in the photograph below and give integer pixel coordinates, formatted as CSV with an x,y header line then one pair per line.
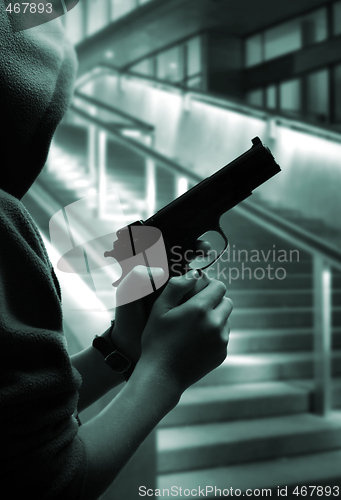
x,y
196,212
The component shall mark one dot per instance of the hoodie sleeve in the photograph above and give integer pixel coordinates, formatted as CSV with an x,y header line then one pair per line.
x,y
40,453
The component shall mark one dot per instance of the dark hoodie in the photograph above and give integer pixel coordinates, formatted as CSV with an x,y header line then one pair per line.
x,y
40,454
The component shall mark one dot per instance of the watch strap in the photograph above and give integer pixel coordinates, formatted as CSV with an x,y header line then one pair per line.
x,y
113,357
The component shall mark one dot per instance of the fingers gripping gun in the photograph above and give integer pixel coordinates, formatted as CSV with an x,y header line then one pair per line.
x,y
194,213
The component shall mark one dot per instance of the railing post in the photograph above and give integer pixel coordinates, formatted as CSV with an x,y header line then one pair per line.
x,y
102,172
322,335
92,147
186,101
97,161
271,133
150,180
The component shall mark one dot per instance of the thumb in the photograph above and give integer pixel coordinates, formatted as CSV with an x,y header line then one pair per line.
x,y
137,284
175,290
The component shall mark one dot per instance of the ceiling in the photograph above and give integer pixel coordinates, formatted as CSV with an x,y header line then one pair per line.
x,y
161,22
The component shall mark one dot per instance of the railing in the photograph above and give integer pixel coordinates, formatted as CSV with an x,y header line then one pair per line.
x,y
325,257
216,101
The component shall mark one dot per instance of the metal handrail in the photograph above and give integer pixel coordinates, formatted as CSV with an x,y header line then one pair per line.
x,y
290,231
274,223
324,256
139,124
138,147
217,101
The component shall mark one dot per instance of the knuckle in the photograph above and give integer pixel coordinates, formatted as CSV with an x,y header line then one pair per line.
x,y
175,282
230,301
222,287
214,325
222,354
205,278
219,286
228,305
225,334
200,309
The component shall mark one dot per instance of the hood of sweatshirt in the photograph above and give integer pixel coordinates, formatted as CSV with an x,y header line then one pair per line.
x,y
37,71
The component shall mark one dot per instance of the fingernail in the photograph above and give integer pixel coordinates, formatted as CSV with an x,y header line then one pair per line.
x,y
228,298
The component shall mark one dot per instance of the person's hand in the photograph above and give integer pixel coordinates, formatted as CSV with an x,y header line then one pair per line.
x,y
131,317
185,341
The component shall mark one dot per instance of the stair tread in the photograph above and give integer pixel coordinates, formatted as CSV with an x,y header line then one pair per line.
x,y
296,470
279,291
255,390
274,331
198,395
266,310
220,433
280,356
272,357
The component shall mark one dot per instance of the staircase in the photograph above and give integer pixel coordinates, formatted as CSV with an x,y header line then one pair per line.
x,y
249,424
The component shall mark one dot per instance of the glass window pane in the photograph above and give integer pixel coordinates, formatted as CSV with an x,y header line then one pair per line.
x,y
73,23
337,93
318,95
255,97
195,82
290,96
97,15
253,50
120,8
314,27
194,56
144,67
271,96
282,39
170,65
337,18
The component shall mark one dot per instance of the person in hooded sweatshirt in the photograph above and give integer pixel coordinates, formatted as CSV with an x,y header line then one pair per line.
x,y
44,452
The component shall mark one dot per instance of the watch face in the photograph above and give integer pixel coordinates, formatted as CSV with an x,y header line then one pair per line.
x,y
118,362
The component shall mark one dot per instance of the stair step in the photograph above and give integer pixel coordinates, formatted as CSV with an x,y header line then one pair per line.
x,y
257,317
270,267
291,281
213,445
239,401
239,282
249,368
314,469
199,405
271,340
281,298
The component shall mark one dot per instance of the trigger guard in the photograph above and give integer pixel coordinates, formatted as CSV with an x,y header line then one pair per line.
x,y
218,230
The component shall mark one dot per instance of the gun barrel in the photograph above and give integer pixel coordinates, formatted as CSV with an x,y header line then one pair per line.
x,y
223,189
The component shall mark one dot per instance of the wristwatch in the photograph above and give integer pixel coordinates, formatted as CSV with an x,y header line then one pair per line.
x,y
113,357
